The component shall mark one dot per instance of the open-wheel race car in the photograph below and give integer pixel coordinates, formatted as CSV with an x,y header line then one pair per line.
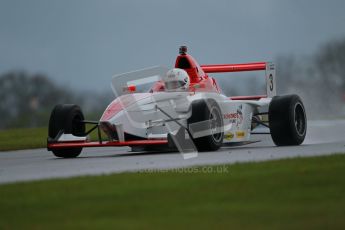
x,y
180,109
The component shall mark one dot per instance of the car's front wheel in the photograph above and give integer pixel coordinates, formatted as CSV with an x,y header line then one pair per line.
x,y
207,110
67,118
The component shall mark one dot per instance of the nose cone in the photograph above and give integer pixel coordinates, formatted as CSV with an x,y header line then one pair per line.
x,y
121,103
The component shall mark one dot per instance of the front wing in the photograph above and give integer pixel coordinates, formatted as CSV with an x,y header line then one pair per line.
x,y
77,144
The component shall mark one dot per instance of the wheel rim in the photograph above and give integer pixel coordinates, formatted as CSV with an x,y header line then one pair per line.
x,y
216,125
299,120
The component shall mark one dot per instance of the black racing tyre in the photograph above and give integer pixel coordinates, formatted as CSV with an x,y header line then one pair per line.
x,y
287,120
66,117
203,110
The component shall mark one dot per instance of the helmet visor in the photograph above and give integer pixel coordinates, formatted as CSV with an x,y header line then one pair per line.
x,y
171,85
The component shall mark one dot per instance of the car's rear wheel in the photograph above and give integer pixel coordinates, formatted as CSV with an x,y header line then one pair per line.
x,y
203,110
67,118
287,120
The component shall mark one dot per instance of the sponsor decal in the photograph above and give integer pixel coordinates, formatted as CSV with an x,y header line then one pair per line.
x,y
229,136
240,134
235,118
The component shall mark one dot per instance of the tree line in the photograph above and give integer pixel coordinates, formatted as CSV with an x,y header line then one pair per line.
x,y
28,99
319,79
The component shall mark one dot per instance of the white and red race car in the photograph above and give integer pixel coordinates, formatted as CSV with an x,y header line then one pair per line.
x,y
180,109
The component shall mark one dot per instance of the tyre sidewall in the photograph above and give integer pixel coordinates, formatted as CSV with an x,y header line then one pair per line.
x,y
66,118
201,110
298,138
282,120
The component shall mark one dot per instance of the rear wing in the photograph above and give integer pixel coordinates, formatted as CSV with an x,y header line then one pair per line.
x,y
270,75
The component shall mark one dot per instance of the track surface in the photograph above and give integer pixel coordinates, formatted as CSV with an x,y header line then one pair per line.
x,y
323,138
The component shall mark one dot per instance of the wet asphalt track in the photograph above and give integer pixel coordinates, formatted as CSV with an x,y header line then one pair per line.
x,y
323,138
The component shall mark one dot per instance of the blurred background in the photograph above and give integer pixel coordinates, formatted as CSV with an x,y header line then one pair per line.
x,y
66,51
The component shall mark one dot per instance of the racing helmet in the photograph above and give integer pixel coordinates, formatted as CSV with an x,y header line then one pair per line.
x,y
176,79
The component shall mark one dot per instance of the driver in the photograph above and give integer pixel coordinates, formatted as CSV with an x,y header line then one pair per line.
x,y
176,79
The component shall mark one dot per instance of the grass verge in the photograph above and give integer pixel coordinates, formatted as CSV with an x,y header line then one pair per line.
x,y
299,193
29,138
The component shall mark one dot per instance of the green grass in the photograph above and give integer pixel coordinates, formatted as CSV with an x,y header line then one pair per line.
x,y
28,138
300,193
14,139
